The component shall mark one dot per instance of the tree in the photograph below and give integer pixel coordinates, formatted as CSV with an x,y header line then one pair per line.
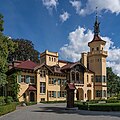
x,y
113,82
1,23
6,45
24,51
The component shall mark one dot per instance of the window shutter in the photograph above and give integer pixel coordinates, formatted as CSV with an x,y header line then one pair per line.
x,y
58,95
19,78
54,81
55,94
27,79
58,81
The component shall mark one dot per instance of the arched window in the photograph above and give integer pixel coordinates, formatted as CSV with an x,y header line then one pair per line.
x,y
77,76
54,59
97,48
73,76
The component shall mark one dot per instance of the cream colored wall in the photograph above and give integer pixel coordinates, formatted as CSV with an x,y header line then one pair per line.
x,y
85,88
99,67
95,65
41,79
94,45
53,55
49,87
23,87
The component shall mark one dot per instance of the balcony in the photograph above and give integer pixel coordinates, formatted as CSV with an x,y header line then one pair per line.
x,y
105,53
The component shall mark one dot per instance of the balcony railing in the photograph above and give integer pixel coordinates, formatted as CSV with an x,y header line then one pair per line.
x,y
98,52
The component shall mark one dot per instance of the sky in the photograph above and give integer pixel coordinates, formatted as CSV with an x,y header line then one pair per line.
x,y
64,26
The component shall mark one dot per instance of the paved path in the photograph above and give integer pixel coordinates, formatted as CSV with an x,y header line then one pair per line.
x,y
57,112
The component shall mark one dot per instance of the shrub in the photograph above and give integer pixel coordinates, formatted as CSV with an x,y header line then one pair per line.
x,y
105,107
7,108
8,99
113,101
82,106
2,100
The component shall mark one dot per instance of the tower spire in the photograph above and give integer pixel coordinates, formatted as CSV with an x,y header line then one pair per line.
x,y
96,25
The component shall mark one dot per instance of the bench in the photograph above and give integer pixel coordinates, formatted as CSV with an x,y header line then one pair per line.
x,y
101,102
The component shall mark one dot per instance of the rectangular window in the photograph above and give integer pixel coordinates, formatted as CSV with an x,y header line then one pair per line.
x,y
52,94
58,94
62,93
98,79
63,82
54,81
22,78
42,87
42,99
27,80
32,79
59,80
98,93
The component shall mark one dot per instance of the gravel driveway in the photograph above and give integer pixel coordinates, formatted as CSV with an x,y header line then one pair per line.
x,y
57,112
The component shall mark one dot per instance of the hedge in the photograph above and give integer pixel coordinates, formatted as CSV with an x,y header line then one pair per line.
x,y
81,107
104,107
99,107
7,108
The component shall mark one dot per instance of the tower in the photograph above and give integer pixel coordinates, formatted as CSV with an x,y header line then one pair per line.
x,y
97,63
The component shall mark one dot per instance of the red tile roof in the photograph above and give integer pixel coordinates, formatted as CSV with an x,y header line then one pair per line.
x,y
96,38
27,65
68,66
63,61
32,88
70,86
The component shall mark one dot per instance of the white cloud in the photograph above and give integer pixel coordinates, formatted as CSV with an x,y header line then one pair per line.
x,y
50,4
64,16
103,5
78,43
76,5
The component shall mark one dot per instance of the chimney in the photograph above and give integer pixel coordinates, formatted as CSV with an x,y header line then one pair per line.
x,y
84,59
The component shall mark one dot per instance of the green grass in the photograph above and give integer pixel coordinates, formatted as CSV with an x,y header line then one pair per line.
x,y
4,109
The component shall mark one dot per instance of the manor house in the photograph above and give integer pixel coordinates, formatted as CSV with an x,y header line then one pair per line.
x,y
46,81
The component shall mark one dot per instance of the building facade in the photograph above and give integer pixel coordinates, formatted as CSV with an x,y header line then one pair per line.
x,y
46,81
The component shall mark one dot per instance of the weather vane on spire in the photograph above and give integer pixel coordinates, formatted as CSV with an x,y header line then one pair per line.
x,y
96,24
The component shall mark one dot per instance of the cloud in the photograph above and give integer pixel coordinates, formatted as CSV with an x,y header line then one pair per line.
x,y
78,43
64,16
50,4
90,6
76,5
